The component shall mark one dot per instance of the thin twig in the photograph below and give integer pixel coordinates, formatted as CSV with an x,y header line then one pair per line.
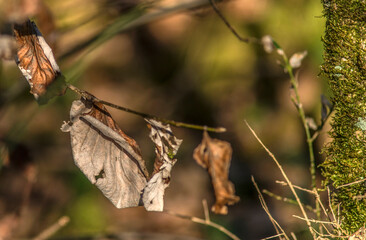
x,y
293,236
297,187
204,222
236,34
313,220
287,180
285,199
90,97
48,232
352,183
205,210
274,236
265,207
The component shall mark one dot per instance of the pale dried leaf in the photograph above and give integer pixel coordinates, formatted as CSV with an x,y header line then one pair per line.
x,y
109,158
296,59
166,147
215,156
37,63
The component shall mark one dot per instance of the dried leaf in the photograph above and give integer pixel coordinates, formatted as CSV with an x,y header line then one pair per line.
x,y
215,156
105,154
166,147
37,63
296,59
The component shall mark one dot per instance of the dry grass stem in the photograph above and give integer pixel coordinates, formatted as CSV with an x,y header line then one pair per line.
x,y
265,207
293,236
205,221
205,210
271,237
48,232
297,187
287,180
313,220
287,200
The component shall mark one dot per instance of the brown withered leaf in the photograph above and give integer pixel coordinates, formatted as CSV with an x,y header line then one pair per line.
x,y
37,63
166,147
215,156
105,154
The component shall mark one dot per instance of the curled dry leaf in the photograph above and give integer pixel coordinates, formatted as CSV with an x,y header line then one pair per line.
x,y
105,154
37,63
166,147
215,156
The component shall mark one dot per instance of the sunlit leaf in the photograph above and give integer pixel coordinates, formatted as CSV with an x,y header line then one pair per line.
x,y
105,154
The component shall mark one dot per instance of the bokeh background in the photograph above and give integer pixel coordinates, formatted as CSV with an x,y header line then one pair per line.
x,y
176,60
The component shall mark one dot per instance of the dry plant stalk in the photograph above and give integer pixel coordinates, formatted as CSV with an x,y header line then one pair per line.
x,y
276,226
291,186
205,221
48,232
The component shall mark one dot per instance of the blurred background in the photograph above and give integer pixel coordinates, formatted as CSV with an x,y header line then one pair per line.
x,y
174,59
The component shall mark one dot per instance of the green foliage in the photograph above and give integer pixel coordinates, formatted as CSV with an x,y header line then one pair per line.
x,y
345,68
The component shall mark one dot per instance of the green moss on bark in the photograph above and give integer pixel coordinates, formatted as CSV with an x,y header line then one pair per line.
x,y
345,68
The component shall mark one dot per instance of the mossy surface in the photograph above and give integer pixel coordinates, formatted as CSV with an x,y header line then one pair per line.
x,y
345,68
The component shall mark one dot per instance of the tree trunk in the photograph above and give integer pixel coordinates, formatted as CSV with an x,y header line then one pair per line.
x,y
345,69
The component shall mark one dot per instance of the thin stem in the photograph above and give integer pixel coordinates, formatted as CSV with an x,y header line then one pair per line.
x,y
309,138
291,186
205,210
285,199
206,222
48,232
231,28
90,97
297,187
